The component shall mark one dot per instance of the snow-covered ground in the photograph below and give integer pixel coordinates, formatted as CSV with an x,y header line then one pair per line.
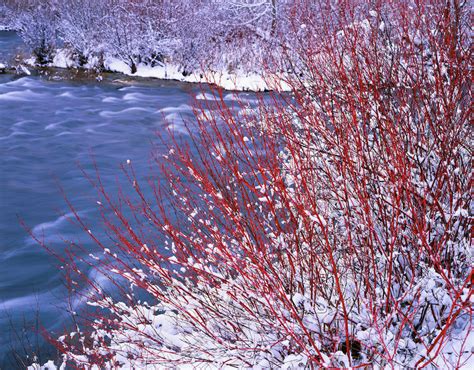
x,y
457,354
239,80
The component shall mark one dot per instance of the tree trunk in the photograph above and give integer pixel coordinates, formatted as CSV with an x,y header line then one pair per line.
x,y
274,16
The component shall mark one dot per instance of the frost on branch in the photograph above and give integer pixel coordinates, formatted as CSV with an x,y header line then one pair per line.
x,y
327,228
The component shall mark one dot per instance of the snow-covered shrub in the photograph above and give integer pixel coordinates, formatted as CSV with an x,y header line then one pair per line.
x,y
327,228
244,34
5,17
81,28
38,28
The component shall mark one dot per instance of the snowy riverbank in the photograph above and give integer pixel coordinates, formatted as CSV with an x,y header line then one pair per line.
x,y
238,80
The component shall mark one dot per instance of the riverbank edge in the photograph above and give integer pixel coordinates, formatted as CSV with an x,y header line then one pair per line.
x,y
235,81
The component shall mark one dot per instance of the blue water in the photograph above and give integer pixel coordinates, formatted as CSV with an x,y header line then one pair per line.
x,y
48,127
10,45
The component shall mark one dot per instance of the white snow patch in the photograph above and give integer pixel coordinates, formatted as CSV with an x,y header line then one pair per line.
x,y
63,59
238,81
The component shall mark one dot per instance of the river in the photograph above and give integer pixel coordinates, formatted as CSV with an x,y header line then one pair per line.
x,y
49,125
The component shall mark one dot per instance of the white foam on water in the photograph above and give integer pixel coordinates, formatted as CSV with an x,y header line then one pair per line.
x,y
108,114
67,94
63,133
232,96
207,96
128,88
54,125
137,97
25,303
15,133
111,99
23,82
132,96
180,108
26,95
55,224
23,122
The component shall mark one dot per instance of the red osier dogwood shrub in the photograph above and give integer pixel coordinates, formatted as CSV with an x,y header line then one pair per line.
x,y
329,227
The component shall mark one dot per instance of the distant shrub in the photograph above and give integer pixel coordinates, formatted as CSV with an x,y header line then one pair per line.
x,y
38,28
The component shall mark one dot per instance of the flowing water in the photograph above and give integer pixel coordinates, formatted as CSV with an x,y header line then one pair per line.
x,y
48,126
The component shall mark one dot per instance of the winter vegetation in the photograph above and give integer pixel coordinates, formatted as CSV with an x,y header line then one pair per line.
x,y
176,39
330,227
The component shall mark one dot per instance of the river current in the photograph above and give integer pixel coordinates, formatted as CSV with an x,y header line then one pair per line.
x,y
49,127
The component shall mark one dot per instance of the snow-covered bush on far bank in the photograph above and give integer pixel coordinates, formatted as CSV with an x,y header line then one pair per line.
x,y
330,227
81,23
38,29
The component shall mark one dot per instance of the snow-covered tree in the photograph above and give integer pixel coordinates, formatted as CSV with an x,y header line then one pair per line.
x,y
38,27
81,27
